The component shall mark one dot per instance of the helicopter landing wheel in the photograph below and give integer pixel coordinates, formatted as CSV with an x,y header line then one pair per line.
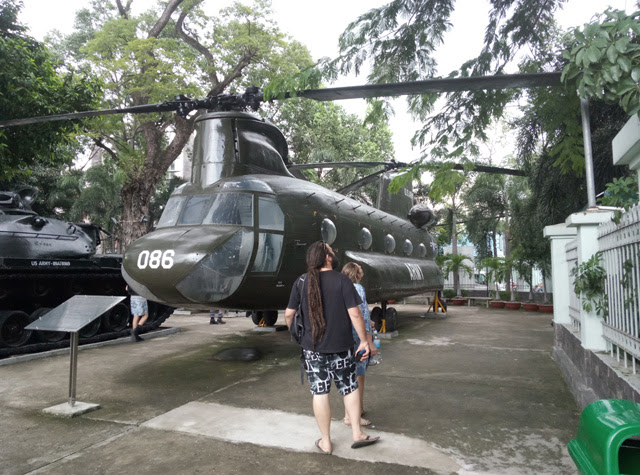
x,y
270,317
12,331
256,317
376,318
391,320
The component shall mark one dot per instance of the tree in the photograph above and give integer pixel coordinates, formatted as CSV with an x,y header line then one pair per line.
x,y
172,48
455,263
324,132
486,203
496,270
603,58
33,83
398,40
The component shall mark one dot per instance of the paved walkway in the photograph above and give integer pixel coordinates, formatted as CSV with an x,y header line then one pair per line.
x,y
476,393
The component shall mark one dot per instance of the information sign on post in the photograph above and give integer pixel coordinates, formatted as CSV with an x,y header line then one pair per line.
x,y
72,316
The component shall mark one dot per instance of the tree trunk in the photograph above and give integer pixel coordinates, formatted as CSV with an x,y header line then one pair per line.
x,y
454,250
136,196
138,192
507,252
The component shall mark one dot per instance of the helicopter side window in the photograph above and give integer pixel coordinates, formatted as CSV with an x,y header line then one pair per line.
x,y
194,209
231,208
268,254
270,214
171,211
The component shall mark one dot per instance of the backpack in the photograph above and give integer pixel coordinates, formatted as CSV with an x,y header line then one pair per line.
x,y
296,329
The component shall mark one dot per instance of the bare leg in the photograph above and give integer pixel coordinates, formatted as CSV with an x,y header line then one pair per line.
x,y
353,408
143,319
360,391
322,411
135,321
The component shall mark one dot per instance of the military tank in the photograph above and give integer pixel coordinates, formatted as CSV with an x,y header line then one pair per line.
x,y
44,262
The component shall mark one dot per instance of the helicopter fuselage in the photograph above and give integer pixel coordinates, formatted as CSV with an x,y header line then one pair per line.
x,y
237,235
241,242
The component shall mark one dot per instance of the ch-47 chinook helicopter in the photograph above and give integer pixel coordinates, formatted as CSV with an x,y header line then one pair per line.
x,y
236,235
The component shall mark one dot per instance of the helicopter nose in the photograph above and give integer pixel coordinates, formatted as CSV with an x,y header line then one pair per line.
x,y
156,264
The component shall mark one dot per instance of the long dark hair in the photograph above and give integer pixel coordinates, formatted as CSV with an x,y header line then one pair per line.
x,y
316,258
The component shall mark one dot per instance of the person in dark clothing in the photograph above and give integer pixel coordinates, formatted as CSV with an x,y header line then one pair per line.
x,y
329,303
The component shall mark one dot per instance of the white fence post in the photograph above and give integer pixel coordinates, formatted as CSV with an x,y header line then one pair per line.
x,y
626,146
586,224
560,235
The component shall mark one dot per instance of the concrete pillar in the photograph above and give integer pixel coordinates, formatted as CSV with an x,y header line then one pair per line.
x,y
586,223
560,235
626,146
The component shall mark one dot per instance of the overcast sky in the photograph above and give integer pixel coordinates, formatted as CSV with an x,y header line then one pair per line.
x,y
318,24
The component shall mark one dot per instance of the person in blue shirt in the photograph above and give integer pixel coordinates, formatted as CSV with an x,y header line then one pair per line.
x,y
355,274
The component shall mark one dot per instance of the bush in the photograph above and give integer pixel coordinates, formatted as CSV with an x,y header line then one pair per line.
x,y
448,293
464,293
505,295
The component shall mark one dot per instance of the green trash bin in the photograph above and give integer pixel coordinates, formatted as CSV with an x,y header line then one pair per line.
x,y
608,440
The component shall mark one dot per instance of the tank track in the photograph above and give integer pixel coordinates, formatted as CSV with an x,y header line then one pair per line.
x,y
163,312
26,291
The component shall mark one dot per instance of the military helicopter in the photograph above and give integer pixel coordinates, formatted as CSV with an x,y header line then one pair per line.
x,y
236,235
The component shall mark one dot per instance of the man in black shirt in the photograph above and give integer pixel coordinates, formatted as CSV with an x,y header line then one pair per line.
x,y
329,305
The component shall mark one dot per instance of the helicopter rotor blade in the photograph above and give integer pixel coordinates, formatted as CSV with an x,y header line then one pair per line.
x,y
439,85
476,168
306,166
183,104
494,170
361,182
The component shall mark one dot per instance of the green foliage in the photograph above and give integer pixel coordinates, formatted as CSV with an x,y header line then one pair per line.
x,y
604,59
486,203
505,295
449,293
589,283
496,270
621,193
33,83
172,48
324,132
397,42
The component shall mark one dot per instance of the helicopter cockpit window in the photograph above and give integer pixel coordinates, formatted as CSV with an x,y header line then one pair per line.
x,y
171,211
194,209
231,208
270,214
247,184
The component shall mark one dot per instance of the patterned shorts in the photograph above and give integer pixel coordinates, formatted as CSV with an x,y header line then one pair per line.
x,y
139,305
321,368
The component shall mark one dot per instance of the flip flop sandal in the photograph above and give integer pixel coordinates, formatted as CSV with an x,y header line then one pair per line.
x,y
320,448
363,443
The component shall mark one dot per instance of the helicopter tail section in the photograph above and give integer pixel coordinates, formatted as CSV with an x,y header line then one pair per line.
x,y
396,277
398,204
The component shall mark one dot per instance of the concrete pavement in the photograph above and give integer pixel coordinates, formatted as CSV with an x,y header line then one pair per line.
x,y
476,393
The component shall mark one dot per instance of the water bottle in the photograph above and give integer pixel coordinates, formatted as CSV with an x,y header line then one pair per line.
x,y
377,359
